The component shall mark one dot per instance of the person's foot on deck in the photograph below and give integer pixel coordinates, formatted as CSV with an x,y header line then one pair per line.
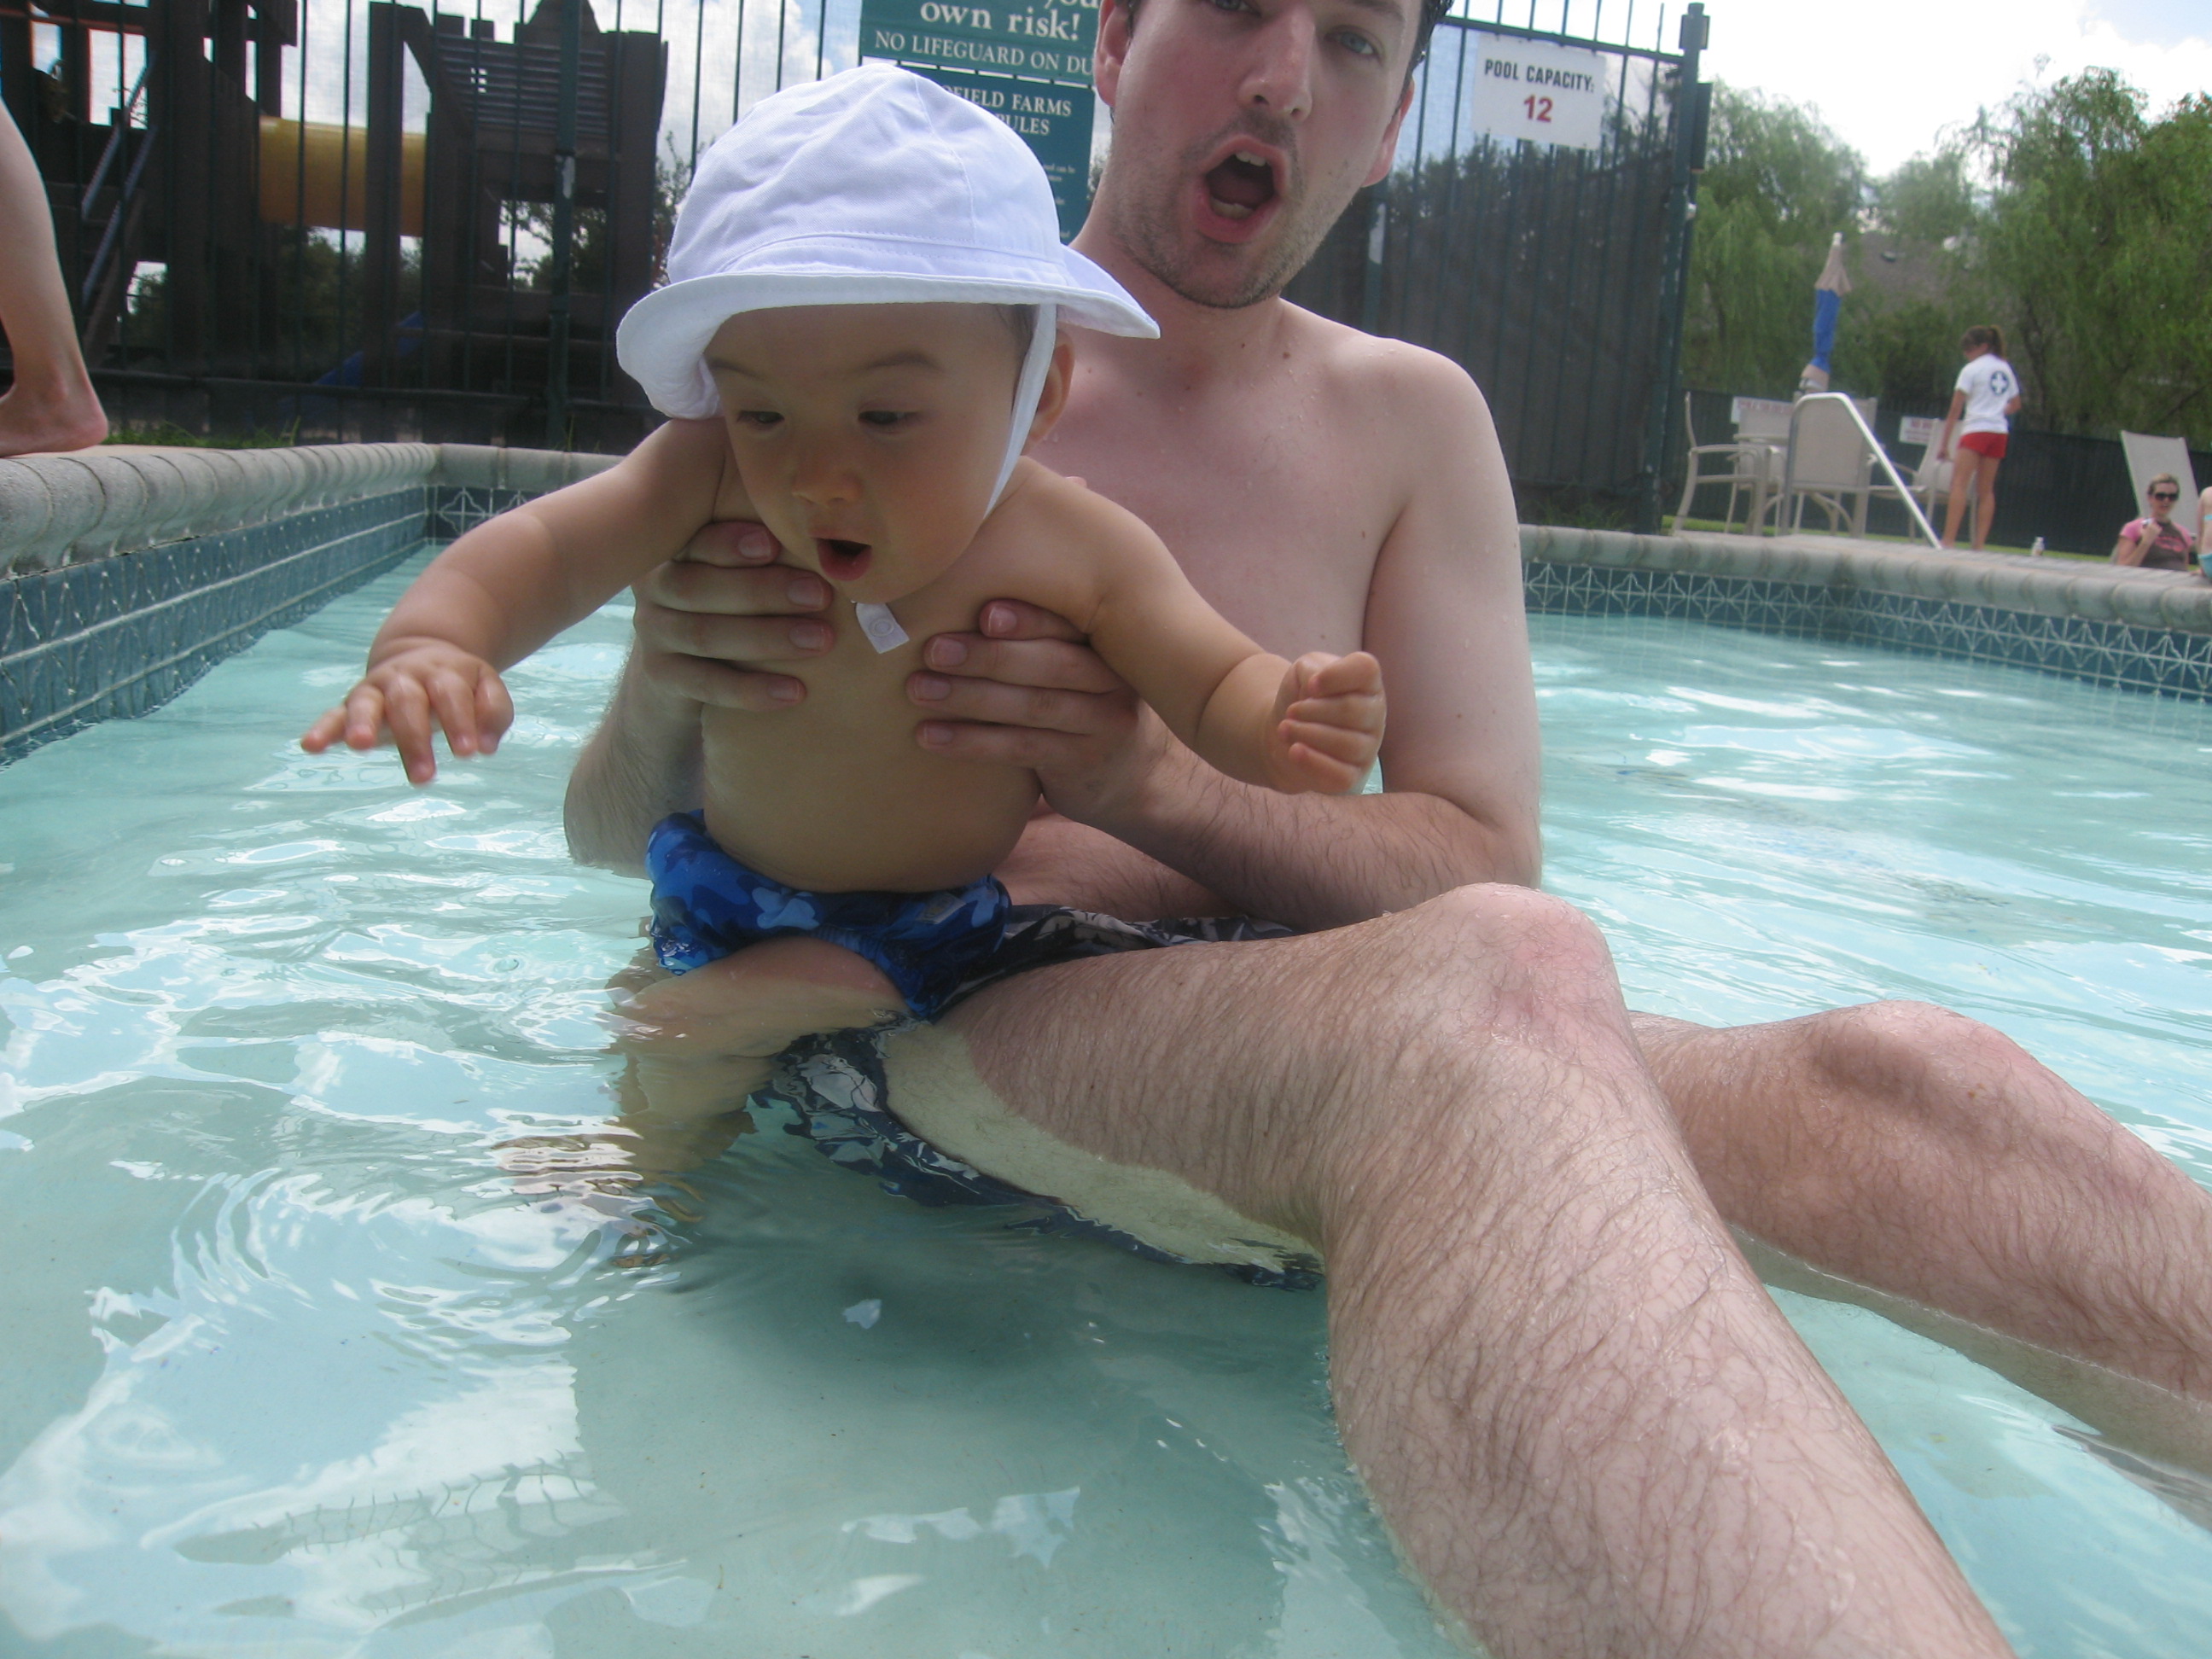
x,y
33,421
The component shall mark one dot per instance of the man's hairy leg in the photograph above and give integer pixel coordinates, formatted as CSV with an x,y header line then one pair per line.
x,y
1914,1151
1586,1423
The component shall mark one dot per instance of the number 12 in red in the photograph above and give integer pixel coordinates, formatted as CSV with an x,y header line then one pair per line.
x,y
1540,109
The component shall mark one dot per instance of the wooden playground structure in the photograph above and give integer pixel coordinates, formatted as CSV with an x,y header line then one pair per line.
x,y
195,168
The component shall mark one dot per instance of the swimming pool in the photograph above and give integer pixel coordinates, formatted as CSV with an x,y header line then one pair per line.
x,y
293,1371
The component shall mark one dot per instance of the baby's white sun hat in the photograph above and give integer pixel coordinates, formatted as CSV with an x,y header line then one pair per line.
x,y
872,187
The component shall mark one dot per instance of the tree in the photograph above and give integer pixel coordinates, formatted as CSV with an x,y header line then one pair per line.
x,y
2097,245
1777,184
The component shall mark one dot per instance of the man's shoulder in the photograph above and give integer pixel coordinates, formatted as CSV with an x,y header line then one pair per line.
x,y
1404,382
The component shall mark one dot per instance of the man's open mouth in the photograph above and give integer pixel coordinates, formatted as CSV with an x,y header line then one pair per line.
x,y
843,561
1241,185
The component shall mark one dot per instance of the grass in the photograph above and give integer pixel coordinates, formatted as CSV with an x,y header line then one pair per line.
x,y
169,435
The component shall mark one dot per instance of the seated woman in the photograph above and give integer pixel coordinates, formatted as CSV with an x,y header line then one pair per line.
x,y
2155,541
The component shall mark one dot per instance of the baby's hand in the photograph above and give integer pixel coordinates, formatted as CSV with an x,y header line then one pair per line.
x,y
1328,723
411,693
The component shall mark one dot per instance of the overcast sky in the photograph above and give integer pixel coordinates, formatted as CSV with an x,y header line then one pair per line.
x,y
1888,74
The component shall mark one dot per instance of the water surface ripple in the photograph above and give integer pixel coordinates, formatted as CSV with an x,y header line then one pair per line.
x,y
295,1371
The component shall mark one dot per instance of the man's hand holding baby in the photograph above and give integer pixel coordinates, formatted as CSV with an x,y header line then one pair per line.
x,y
707,621
1328,723
414,687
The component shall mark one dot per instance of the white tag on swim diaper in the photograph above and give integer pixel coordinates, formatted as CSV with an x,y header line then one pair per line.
x,y
881,627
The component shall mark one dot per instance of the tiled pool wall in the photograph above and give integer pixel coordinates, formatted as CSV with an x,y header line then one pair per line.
x,y
126,574
2142,630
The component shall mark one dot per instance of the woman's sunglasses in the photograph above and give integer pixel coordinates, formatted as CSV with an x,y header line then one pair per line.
x,y
2165,495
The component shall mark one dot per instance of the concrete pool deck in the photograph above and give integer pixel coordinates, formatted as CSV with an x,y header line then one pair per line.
x,y
126,572
2043,586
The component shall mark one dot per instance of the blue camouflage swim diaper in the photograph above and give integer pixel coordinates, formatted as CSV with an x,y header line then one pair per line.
x,y
706,905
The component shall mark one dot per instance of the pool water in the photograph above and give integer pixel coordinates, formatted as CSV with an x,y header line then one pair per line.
x,y
291,1368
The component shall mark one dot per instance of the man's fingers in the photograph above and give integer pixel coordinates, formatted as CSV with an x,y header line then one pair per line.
x,y
722,685
1080,714
1000,746
773,590
732,638
1015,619
731,542
1045,662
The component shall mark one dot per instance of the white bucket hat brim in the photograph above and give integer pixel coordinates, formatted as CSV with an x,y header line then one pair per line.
x,y
663,340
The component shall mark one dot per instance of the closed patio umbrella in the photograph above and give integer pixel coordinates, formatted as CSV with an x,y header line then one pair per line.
x,y
1827,304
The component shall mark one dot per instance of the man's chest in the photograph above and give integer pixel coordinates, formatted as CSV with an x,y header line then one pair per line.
x,y
1280,534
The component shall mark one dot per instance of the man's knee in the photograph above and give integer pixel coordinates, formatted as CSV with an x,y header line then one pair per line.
x,y
1496,931
1942,1073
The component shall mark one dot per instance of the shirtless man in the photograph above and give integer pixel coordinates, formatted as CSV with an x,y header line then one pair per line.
x,y
1584,1419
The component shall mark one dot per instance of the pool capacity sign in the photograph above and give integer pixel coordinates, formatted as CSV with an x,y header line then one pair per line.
x,y
1534,90
1029,64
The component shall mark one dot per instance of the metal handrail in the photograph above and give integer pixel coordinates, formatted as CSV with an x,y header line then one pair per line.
x,y
1789,465
98,269
114,143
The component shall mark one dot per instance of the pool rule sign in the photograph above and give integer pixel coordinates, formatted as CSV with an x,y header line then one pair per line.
x,y
1027,63
1534,90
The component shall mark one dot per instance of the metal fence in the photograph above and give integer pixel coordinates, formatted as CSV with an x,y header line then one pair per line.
x,y
359,219
1553,275
363,219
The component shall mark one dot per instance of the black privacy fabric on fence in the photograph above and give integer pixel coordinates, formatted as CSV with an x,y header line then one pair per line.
x,y
1543,271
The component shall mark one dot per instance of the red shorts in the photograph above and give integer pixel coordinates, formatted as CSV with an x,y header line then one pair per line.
x,y
1991,444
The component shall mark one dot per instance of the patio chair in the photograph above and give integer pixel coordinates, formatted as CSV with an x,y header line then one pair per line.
x,y
1753,461
1829,466
1831,457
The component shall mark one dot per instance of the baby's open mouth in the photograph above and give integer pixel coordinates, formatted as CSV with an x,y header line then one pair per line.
x,y
843,561
1240,185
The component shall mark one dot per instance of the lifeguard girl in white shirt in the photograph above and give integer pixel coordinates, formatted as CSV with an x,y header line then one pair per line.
x,y
1982,411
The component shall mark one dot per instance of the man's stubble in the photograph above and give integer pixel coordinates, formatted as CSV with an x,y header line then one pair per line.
x,y
1147,222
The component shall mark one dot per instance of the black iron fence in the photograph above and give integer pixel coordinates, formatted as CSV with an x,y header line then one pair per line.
x,y
369,219
1551,273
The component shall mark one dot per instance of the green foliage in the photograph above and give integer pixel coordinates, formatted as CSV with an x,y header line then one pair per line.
x,y
2070,217
2099,245
1930,200
1777,184
169,435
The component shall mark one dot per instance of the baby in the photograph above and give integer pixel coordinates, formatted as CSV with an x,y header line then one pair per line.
x,y
858,339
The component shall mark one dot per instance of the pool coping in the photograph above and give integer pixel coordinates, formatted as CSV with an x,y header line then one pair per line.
x,y
2133,598
125,573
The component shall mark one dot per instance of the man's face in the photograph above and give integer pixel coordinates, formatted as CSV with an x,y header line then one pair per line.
x,y
1242,128
868,437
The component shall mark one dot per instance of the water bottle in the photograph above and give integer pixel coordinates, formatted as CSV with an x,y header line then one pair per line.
x,y
2038,548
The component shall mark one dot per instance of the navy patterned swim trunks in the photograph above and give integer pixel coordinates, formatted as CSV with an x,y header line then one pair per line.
x,y
834,1088
706,905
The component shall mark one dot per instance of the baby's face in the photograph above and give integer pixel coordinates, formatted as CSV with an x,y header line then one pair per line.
x,y
869,437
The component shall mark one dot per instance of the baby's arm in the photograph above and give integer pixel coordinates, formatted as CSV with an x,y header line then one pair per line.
x,y
1312,724
509,586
